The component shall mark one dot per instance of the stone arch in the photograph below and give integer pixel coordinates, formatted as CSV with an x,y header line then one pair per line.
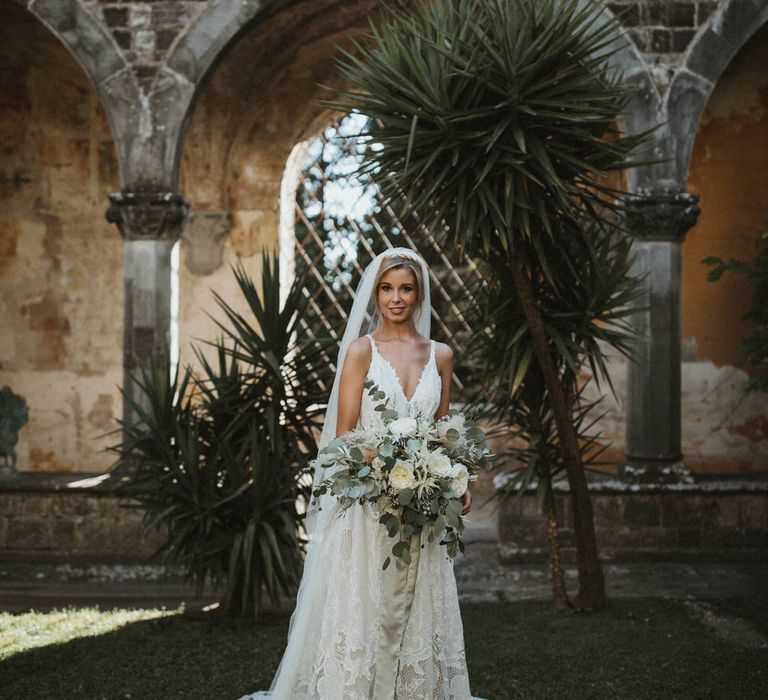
x,y
241,132
205,44
194,56
96,53
711,50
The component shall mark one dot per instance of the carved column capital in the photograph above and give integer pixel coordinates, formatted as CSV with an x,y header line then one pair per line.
x,y
148,216
661,216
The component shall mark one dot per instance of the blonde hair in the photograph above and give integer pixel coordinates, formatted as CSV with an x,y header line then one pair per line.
x,y
392,262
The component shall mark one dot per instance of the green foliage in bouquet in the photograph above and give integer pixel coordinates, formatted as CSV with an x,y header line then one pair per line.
x,y
413,469
217,459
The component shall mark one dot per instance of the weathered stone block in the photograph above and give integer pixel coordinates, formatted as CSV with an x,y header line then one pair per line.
x,y
704,10
681,38
681,14
71,505
35,504
627,14
607,510
11,504
689,537
29,533
63,532
710,512
115,16
751,511
641,511
655,12
164,38
640,538
682,511
661,41
123,38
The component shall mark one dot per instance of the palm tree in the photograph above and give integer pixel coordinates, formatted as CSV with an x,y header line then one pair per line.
x,y
496,120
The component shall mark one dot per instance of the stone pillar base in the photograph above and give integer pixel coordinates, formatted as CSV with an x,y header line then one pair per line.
x,y
655,472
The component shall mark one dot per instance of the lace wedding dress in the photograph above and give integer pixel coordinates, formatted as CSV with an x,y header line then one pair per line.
x,y
363,633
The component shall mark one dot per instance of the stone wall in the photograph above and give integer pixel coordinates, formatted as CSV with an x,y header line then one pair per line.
x,y
145,31
243,129
662,30
60,262
724,429
701,522
227,93
78,519
62,519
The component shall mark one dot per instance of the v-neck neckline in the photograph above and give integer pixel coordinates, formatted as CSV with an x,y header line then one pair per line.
x,y
397,376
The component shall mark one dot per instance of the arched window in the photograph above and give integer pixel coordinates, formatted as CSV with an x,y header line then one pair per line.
x,y
340,223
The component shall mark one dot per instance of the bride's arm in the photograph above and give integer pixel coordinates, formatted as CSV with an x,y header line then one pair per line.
x,y
444,360
351,384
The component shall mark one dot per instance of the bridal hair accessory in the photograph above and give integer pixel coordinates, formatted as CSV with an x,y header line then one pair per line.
x,y
363,318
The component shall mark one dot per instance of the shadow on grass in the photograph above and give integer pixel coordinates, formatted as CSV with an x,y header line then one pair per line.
x,y
636,649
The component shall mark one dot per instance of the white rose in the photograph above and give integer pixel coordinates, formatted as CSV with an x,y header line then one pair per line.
x,y
439,463
377,464
459,479
401,476
402,427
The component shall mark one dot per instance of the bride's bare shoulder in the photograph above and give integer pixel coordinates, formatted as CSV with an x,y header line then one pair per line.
x,y
359,352
443,355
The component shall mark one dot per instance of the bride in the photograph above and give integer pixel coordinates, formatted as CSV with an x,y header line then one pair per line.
x,y
360,632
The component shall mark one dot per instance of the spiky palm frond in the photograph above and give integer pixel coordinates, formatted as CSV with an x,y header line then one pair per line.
x,y
220,455
496,117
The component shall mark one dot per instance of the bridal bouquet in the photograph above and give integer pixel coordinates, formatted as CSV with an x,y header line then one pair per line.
x,y
414,469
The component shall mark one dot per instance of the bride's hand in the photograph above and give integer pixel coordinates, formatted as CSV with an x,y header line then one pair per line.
x,y
466,499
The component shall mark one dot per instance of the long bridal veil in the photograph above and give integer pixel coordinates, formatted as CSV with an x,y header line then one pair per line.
x,y
363,319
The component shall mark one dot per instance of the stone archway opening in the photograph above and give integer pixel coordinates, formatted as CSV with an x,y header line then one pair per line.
x,y
241,133
336,221
727,170
60,261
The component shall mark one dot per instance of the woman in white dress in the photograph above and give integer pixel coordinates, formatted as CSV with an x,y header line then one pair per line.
x,y
360,632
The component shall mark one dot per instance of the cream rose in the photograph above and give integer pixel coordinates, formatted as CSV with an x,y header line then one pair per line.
x,y
459,479
439,463
402,427
401,476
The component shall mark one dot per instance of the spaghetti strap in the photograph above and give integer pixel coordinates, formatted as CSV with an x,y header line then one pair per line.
x,y
374,349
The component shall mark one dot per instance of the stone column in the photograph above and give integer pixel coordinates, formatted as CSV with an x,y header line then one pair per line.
x,y
659,222
150,223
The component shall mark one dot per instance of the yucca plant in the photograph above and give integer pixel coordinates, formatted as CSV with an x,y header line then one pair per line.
x,y
496,120
220,456
539,463
590,306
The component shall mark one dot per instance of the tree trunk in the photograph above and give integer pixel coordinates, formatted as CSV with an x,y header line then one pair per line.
x,y
591,595
559,591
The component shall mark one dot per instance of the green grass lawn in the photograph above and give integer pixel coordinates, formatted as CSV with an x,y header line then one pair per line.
x,y
636,649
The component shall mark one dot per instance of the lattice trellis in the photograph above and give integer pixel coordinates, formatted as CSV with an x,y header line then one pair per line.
x,y
341,224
